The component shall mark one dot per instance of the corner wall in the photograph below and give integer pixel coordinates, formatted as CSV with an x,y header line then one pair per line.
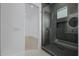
x,y
32,23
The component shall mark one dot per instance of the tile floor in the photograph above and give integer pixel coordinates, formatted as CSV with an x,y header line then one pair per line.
x,y
31,47
36,53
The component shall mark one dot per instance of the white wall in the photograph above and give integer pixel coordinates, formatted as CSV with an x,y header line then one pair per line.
x,y
32,21
12,28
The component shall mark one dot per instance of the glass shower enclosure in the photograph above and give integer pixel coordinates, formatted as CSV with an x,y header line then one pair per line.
x,y
60,28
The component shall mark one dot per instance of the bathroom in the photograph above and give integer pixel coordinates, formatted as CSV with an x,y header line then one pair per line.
x,y
39,29
60,28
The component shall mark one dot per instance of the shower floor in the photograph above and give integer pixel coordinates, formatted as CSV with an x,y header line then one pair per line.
x,y
57,50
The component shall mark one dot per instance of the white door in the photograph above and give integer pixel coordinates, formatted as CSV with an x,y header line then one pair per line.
x,y
12,28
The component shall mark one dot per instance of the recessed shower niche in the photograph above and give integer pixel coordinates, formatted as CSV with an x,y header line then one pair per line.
x,y
61,36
